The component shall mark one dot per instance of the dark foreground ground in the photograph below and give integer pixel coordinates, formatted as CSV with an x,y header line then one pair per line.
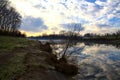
x,y
22,59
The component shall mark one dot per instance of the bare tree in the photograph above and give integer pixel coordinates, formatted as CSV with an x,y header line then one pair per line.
x,y
72,36
10,20
72,33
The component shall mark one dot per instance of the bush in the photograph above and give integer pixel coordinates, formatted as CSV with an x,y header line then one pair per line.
x,y
11,33
66,68
62,65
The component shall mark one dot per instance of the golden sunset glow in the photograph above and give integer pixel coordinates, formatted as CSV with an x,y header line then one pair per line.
x,y
46,16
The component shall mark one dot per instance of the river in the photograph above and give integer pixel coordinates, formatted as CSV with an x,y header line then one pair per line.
x,y
95,62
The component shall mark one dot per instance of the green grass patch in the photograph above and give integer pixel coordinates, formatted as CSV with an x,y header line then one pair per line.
x,y
9,43
14,67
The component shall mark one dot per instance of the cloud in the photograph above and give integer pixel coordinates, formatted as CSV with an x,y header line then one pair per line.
x,y
99,28
91,13
73,27
33,24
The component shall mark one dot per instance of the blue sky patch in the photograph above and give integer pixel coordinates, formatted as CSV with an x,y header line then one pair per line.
x,y
92,1
114,19
103,0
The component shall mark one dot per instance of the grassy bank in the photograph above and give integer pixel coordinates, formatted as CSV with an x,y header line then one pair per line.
x,y
22,59
11,61
13,51
9,43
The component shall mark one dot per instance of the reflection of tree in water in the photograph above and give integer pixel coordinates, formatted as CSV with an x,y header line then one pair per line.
x,y
97,65
117,45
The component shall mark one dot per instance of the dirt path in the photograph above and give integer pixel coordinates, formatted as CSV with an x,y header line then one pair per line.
x,y
38,68
32,61
5,57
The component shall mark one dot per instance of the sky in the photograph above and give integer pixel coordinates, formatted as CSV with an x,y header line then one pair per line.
x,y
51,16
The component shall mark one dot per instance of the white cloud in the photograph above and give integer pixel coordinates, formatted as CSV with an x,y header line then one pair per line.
x,y
55,12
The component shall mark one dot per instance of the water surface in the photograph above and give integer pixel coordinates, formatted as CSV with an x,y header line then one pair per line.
x,y
96,62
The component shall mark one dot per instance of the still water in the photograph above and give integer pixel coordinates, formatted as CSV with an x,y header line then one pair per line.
x,y
96,62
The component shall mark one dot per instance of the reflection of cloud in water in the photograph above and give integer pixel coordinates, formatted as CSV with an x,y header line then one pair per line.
x,y
99,62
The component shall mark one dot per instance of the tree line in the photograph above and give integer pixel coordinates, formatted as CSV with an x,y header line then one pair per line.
x,y
106,36
10,20
85,37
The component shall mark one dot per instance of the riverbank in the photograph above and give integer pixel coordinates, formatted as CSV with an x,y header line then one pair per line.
x,y
113,42
23,59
